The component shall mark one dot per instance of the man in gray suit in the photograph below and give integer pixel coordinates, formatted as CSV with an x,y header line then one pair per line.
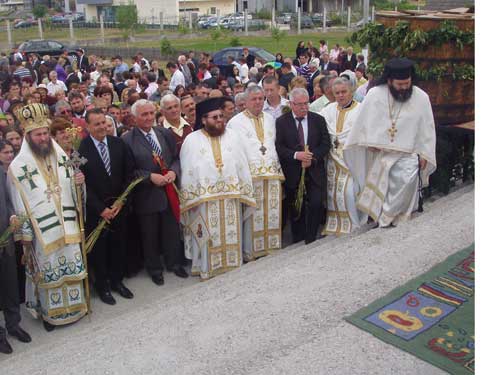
x,y
160,234
9,294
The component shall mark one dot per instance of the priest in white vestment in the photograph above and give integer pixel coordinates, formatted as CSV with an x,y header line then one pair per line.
x,y
257,131
391,148
342,190
216,185
41,187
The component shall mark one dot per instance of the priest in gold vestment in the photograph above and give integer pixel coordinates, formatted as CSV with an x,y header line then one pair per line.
x,y
257,131
216,187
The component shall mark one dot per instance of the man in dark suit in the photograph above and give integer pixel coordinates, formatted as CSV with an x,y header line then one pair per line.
x,y
314,69
9,297
159,229
349,60
294,130
83,61
107,172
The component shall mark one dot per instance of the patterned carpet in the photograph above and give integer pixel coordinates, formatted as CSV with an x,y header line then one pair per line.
x,y
431,316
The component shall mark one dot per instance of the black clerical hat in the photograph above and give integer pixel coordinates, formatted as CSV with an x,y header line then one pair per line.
x,y
399,68
204,107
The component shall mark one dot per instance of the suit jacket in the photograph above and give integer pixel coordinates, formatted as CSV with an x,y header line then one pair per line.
x,y
83,63
349,65
103,189
149,198
310,86
161,73
6,208
287,143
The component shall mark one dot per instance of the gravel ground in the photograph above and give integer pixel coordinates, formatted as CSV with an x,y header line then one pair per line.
x,y
282,314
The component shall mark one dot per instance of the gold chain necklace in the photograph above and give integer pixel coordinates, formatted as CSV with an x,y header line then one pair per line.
x,y
392,130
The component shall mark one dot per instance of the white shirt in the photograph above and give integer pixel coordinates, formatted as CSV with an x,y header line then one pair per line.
x,y
275,111
96,143
244,71
153,135
136,68
151,89
176,80
206,75
53,87
304,127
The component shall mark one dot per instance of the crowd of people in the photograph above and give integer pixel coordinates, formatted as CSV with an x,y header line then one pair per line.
x,y
226,159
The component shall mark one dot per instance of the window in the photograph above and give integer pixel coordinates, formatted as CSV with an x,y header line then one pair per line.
x,y
54,45
213,10
245,5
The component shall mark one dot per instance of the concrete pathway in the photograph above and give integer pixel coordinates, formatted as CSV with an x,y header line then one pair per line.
x,y
282,314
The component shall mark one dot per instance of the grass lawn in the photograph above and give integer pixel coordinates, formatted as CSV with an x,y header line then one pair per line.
x,y
286,46
62,34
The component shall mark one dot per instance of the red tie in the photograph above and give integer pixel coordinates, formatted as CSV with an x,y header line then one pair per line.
x,y
301,131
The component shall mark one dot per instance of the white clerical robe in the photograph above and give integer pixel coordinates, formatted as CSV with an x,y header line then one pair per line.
x,y
342,189
262,226
382,151
215,184
55,270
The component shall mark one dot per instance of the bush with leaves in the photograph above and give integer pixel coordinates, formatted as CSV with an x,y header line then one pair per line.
x,y
235,42
166,48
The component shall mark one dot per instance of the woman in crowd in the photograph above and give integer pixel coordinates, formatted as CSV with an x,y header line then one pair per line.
x,y
60,135
14,137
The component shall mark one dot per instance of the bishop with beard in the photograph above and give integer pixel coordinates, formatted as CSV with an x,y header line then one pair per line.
x,y
42,188
391,148
216,184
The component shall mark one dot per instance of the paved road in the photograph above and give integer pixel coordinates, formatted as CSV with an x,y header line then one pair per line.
x,y
280,315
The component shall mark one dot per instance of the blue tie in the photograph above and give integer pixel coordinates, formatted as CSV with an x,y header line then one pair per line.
x,y
152,142
105,157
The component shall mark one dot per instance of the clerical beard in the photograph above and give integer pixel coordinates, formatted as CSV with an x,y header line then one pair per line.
x,y
43,149
401,95
215,130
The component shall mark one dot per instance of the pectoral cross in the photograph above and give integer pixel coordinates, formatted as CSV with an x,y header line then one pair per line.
x,y
263,149
392,131
28,176
50,191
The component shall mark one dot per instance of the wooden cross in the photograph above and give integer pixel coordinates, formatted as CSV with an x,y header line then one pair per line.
x,y
28,176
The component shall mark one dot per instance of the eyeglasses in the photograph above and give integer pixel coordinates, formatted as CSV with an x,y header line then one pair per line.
x,y
300,104
65,111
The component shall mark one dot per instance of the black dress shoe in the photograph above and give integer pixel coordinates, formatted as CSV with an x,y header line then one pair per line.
x,y
122,290
20,334
178,271
158,279
5,347
106,297
48,327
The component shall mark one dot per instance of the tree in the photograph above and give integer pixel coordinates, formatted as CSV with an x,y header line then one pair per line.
x,y
277,35
40,11
126,15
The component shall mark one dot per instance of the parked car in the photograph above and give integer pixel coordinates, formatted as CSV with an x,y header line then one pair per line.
x,y
284,18
45,47
317,19
239,25
59,19
220,57
23,24
306,22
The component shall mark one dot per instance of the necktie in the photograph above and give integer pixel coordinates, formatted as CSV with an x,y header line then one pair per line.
x,y
152,142
301,131
105,157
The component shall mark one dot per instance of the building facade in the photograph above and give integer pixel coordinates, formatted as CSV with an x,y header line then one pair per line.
x,y
150,11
